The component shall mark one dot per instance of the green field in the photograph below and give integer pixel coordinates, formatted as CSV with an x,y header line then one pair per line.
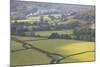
x,y
33,19
25,38
29,57
63,47
80,58
59,46
15,45
37,18
48,33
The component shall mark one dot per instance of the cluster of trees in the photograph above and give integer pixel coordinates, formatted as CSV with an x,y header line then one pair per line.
x,y
59,36
19,28
81,31
69,24
84,34
79,34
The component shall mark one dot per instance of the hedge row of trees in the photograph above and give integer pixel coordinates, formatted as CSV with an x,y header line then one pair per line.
x,y
84,34
88,35
59,36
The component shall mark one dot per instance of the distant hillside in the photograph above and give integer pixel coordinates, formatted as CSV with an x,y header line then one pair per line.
x,y
87,15
23,9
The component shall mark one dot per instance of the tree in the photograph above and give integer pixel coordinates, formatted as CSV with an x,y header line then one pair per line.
x,y
72,24
55,36
85,34
41,19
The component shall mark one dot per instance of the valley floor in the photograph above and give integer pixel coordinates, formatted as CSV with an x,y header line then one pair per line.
x,y
60,50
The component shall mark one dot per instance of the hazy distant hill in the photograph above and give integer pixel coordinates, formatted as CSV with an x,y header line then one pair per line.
x,y
22,9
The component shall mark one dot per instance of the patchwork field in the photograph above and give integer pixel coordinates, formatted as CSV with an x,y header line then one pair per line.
x,y
63,47
33,19
72,50
44,33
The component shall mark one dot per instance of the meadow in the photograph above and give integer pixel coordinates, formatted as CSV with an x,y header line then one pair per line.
x,y
48,33
63,47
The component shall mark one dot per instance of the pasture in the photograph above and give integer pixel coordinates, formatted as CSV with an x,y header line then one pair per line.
x,y
63,47
48,33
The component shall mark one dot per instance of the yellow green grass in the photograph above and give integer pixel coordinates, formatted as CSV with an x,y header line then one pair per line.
x,y
28,57
15,45
33,19
59,46
80,58
77,47
23,38
63,47
38,17
48,33
24,20
68,47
